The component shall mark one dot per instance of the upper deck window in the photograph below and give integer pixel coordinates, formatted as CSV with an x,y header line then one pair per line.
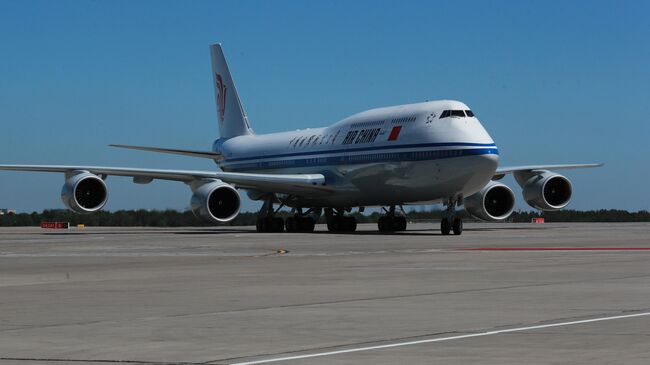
x,y
404,120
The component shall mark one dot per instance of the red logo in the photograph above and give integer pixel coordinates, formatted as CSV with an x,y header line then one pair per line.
x,y
394,133
221,97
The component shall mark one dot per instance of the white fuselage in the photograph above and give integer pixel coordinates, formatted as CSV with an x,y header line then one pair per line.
x,y
395,155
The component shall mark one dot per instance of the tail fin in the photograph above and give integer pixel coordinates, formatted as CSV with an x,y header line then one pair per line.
x,y
232,118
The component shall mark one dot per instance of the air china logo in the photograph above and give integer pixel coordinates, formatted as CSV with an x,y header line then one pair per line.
x,y
221,97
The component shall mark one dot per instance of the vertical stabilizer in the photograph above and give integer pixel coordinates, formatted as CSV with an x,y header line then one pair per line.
x,y
230,113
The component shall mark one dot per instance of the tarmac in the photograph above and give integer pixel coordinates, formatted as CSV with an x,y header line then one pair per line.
x,y
498,294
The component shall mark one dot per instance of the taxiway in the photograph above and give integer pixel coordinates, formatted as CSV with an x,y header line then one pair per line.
x,y
498,294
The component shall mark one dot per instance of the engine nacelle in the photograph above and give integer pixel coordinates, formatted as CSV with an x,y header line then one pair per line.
x,y
495,202
545,190
84,193
215,201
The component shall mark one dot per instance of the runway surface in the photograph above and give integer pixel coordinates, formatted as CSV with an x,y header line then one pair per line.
x,y
498,294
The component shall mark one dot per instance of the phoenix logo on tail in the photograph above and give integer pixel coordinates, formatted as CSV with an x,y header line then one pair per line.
x,y
221,98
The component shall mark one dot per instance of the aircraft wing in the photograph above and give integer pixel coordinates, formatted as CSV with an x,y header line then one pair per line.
x,y
173,151
503,171
286,184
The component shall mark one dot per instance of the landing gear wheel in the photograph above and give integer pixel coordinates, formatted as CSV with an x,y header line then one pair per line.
x,y
341,224
445,227
307,224
400,223
350,224
277,224
388,224
270,224
457,226
383,224
333,224
300,224
290,224
260,225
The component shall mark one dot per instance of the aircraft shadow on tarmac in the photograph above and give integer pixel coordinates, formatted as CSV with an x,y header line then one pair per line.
x,y
419,232
219,231
149,231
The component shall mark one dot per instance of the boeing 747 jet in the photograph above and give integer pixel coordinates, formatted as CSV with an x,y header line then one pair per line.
x,y
435,152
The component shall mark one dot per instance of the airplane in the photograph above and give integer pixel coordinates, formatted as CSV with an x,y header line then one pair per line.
x,y
434,152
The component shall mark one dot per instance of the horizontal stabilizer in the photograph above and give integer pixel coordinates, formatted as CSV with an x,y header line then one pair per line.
x,y
173,151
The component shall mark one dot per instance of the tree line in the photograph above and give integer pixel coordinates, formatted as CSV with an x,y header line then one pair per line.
x,y
174,218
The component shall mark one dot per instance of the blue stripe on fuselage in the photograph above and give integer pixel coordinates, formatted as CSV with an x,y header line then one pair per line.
x,y
371,148
346,159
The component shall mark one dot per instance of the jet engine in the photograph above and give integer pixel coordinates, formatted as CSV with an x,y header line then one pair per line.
x,y
84,193
215,201
545,190
494,202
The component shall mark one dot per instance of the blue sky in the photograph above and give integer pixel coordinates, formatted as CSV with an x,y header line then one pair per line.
x,y
552,81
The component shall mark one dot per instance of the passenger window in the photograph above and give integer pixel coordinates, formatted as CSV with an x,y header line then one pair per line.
x,y
469,113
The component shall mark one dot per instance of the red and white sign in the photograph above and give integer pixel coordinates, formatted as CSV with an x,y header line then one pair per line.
x,y
55,225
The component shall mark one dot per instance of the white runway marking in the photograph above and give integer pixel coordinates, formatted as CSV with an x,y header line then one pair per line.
x,y
440,339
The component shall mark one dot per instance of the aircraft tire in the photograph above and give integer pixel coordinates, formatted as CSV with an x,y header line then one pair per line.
x,y
342,224
445,227
457,226
333,224
290,224
386,224
307,224
276,224
400,223
351,224
260,225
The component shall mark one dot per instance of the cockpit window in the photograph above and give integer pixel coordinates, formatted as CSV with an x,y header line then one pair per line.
x,y
456,113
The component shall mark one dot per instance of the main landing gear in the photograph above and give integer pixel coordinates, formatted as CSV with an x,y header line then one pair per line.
x,y
300,222
450,222
266,220
390,222
338,222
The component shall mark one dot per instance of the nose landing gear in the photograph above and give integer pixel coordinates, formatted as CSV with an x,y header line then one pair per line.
x,y
450,222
